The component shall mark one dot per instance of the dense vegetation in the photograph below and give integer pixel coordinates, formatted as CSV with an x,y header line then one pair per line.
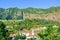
x,y
15,13
3,32
49,34
28,24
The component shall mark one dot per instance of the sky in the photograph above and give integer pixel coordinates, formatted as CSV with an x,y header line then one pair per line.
x,y
29,3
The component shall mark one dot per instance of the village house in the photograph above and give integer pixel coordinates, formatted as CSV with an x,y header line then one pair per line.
x,y
29,34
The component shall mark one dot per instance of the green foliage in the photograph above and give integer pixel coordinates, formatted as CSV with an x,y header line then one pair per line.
x,y
30,39
49,34
29,24
8,17
21,36
3,32
10,13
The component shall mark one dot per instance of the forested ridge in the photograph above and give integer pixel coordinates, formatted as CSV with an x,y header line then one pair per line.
x,y
15,13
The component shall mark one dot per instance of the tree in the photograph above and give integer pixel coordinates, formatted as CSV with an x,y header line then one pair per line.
x,y
50,34
3,31
0,16
30,39
22,36
9,17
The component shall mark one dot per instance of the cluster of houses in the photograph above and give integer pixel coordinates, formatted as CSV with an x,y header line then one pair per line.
x,y
28,34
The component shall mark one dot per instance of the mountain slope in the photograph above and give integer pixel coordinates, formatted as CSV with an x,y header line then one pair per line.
x,y
15,13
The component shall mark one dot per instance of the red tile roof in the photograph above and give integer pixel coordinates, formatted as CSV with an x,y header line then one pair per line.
x,y
12,35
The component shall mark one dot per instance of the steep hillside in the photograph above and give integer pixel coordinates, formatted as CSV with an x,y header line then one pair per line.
x,y
51,13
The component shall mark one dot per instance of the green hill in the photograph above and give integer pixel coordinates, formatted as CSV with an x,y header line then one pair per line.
x,y
15,13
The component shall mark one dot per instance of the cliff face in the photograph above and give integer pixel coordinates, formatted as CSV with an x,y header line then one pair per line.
x,y
51,16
